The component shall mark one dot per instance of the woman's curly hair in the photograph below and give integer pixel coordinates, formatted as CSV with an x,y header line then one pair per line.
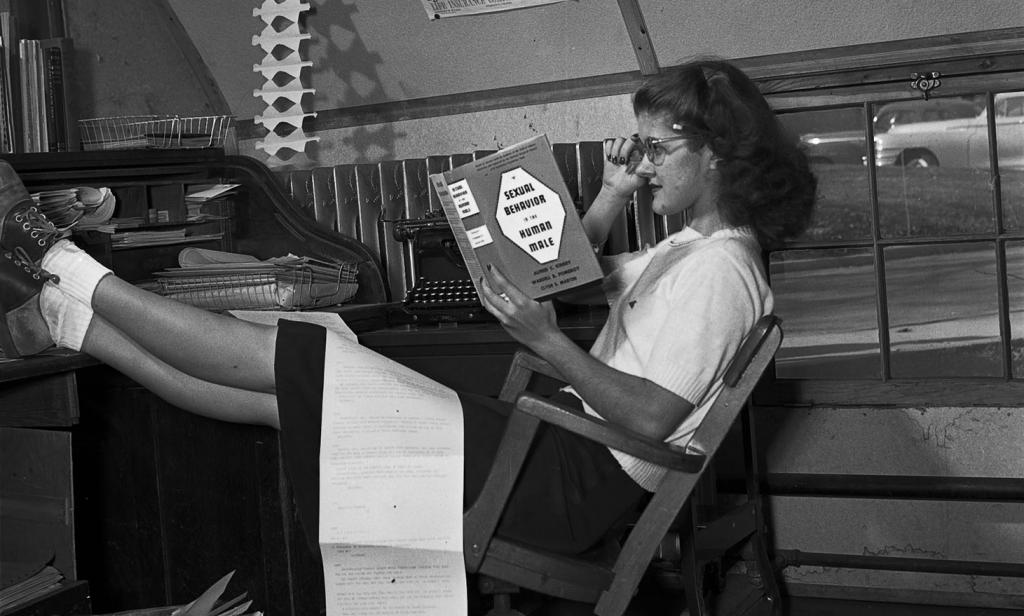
x,y
765,178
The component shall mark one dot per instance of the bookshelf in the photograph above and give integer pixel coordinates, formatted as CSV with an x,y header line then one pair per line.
x,y
38,398
165,501
36,71
135,262
42,493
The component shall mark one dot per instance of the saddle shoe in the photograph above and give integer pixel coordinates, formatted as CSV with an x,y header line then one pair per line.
x,y
25,236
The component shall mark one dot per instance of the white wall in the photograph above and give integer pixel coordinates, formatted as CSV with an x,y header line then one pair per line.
x,y
371,51
367,51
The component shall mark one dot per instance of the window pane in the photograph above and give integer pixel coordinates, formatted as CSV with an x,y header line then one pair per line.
x,y
1009,108
942,304
834,139
826,299
1015,287
1010,139
933,167
1012,182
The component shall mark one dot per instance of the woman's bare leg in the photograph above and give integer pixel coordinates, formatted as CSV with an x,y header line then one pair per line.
x,y
212,347
113,347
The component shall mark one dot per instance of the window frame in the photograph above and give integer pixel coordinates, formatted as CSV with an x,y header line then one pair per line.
x,y
864,75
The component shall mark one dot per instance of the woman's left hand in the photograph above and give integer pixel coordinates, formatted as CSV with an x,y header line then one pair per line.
x,y
528,321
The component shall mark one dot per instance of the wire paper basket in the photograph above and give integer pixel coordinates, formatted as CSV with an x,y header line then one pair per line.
x,y
291,287
154,131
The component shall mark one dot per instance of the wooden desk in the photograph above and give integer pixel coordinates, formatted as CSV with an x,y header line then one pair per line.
x,y
166,502
471,357
38,408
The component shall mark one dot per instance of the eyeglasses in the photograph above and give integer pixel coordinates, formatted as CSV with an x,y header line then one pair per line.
x,y
651,148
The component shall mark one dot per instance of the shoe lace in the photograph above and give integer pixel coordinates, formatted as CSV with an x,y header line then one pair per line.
x,y
30,266
43,232
40,227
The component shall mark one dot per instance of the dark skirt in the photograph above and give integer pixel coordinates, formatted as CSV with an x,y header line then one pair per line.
x,y
570,494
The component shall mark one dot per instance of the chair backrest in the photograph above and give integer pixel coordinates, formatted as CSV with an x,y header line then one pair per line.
x,y
741,377
612,586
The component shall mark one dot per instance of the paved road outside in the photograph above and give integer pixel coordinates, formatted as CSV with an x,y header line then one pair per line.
x,y
938,300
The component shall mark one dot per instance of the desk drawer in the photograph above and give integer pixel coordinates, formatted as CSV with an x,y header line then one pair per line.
x,y
44,401
36,510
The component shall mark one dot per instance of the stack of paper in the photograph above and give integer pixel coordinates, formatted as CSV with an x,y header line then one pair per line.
x,y
113,224
147,238
207,604
209,201
30,588
219,280
81,207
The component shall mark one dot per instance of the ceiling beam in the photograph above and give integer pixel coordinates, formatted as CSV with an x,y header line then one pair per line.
x,y
215,100
637,29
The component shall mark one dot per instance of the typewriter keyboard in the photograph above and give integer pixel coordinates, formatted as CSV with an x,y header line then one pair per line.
x,y
439,294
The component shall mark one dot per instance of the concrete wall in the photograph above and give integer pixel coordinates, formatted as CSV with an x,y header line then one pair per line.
x,y
930,442
368,52
383,50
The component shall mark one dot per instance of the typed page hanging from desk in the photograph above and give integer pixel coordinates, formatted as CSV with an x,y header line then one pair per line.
x,y
391,462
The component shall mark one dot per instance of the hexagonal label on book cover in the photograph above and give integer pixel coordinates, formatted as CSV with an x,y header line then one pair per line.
x,y
530,214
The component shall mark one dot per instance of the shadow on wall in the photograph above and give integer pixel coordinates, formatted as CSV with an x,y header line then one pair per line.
x,y
344,74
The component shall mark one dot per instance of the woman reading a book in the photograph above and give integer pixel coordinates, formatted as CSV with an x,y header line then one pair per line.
x,y
707,145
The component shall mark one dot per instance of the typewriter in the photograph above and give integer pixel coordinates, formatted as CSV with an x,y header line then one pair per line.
x,y
443,291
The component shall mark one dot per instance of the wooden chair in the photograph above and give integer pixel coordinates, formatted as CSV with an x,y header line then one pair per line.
x,y
607,577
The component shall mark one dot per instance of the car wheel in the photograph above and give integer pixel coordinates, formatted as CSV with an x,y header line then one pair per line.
x,y
919,159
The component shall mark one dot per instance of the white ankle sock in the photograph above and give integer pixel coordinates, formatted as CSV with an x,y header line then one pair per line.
x,y
66,317
79,273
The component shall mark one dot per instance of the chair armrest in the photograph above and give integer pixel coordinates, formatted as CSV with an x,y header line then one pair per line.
x,y
524,365
610,435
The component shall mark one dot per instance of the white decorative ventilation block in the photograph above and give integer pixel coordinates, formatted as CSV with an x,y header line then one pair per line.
x,y
283,77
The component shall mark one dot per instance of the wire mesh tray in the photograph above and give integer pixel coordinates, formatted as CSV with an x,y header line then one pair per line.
x,y
293,287
154,131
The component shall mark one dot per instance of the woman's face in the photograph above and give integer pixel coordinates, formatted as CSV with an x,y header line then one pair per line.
x,y
682,181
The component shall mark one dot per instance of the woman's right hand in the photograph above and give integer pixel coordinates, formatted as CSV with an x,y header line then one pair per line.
x,y
619,180
619,177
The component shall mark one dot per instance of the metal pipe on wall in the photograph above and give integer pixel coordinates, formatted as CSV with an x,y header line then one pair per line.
x,y
797,558
1003,489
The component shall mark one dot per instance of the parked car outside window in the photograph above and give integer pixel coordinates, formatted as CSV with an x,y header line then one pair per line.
x,y
849,146
961,142
931,110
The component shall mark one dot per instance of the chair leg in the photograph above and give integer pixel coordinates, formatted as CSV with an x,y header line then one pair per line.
x,y
503,607
759,540
691,570
766,570
501,593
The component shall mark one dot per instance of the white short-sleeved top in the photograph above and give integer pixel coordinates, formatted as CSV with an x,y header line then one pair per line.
x,y
678,314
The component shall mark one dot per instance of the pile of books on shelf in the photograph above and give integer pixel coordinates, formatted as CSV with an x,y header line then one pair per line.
x,y
124,239
219,280
113,224
36,111
135,239
210,201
